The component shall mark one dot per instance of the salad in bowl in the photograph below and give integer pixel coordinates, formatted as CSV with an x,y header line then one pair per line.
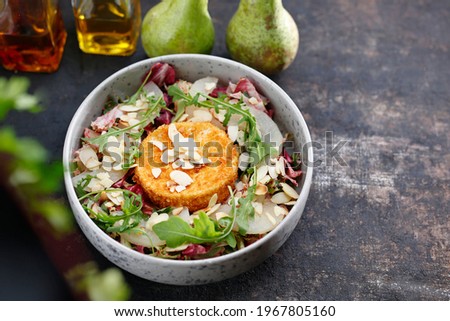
x,y
186,170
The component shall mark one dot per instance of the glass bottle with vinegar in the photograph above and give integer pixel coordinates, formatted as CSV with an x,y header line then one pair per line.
x,y
107,27
32,35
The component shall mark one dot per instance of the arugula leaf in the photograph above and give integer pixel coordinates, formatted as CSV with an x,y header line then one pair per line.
x,y
133,153
131,209
231,240
245,211
181,106
175,231
136,95
80,187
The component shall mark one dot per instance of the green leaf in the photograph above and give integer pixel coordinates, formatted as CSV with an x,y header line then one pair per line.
x,y
180,111
131,211
13,95
108,285
175,231
97,285
82,184
245,211
133,153
57,214
140,90
231,240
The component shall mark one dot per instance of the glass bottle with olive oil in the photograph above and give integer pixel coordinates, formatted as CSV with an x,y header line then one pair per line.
x,y
107,27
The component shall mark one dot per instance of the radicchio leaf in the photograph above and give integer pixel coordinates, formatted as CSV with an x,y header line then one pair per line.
x,y
217,91
164,118
162,73
244,85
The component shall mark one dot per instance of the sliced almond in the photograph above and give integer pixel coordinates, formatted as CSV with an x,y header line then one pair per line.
x,y
290,203
93,163
168,156
213,200
241,138
156,172
172,189
201,115
243,161
94,185
177,210
106,182
273,172
176,164
170,183
174,134
102,175
280,166
180,188
116,197
280,198
261,171
233,131
133,108
261,189
154,219
86,153
253,100
213,209
196,156
181,178
265,179
220,215
187,165
160,145
289,190
109,204
219,116
278,210
183,118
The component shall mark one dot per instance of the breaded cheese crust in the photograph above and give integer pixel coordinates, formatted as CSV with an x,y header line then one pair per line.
x,y
208,180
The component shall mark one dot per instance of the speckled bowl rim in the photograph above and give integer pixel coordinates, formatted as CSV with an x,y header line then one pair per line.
x,y
79,211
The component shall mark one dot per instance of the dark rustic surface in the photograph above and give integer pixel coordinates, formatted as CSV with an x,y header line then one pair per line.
x,y
374,73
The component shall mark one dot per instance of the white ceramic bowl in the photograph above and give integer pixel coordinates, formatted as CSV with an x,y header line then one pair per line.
x,y
189,67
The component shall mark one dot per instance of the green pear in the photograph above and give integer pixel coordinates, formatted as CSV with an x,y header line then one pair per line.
x,y
263,35
178,26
